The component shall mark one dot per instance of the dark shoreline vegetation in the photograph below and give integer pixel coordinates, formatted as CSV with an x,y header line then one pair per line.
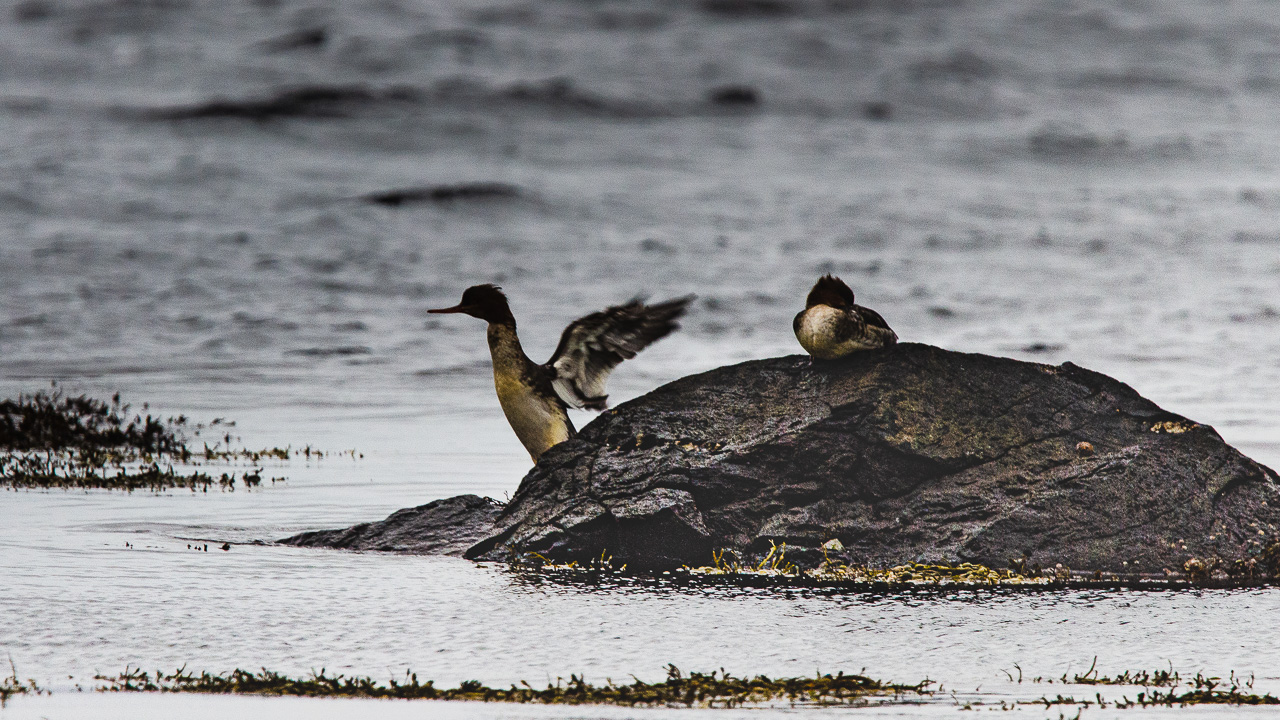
x,y
775,571
1200,690
51,440
10,686
678,690
717,689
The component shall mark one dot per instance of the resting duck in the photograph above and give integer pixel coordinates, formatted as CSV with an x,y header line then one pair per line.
x,y
535,397
832,326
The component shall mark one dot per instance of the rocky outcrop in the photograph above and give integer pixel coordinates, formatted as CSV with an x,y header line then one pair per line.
x,y
909,454
443,527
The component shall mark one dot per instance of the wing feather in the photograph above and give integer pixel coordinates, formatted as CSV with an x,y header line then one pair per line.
x,y
873,319
592,346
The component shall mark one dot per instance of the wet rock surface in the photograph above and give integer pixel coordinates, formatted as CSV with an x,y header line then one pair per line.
x,y
442,527
910,454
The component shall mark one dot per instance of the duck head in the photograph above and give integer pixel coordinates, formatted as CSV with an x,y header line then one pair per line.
x,y
830,291
485,302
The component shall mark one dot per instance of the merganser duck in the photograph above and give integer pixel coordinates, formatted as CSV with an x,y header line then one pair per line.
x,y
535,397
831,326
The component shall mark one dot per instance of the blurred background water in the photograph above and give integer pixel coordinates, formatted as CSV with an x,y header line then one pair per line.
x,y
184,217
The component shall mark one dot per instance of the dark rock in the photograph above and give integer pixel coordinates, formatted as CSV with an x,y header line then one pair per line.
x,y
443,527
447,193
909,454
1068,142
32,11
309,101
1040,347
306,39
750,8
964,66
877,110
734,96
325,352
561,94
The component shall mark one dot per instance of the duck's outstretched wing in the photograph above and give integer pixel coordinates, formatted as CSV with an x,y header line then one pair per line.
x,y
591,347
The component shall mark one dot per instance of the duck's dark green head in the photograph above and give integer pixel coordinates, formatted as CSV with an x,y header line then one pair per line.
x,y
485,302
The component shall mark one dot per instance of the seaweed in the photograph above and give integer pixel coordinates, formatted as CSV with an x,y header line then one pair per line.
x,y
49,439
1199,690
775,565
49,420
773,569
10,686
714,689
717,689
539,563
1158,678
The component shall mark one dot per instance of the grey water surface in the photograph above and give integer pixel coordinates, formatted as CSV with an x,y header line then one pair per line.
x,y
186,218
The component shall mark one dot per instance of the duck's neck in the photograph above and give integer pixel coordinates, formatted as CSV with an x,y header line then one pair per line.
x,y
505,349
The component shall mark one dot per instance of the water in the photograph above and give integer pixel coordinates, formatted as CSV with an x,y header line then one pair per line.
x,y
79,602
1054,181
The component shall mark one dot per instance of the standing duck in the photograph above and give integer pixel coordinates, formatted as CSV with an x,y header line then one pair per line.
x,y
832,326
535,397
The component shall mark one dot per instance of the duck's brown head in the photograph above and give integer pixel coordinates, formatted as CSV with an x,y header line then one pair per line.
x,y
485,302
831,291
